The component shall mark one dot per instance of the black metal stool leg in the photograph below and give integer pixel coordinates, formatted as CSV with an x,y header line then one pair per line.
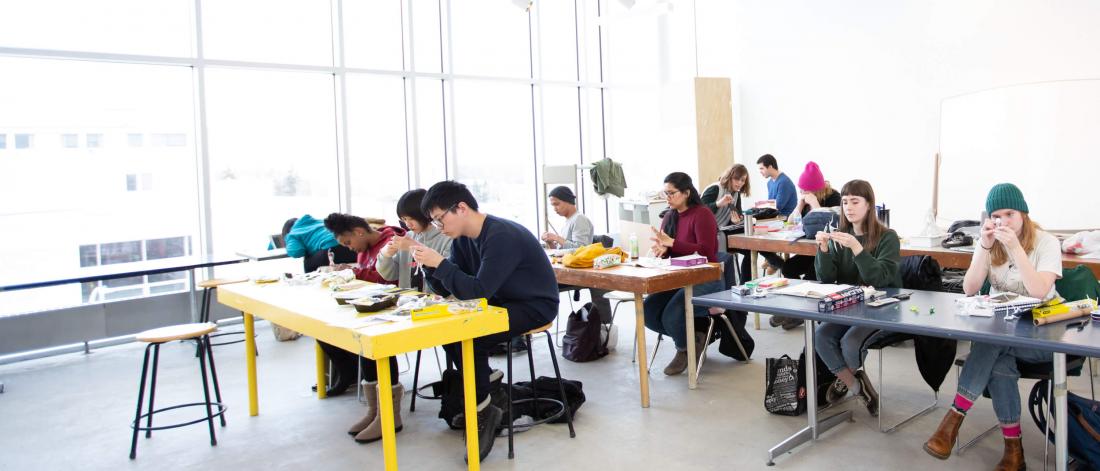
x,y
141,395
510,418
204,315
416,382
531,364
204,341
561,387
152,390
214,376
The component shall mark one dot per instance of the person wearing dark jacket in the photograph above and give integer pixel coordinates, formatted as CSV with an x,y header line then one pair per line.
x,y
687,228
491,258
863,252
723,198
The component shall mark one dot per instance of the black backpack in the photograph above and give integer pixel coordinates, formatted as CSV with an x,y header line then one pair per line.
x,y
727,346
921,272
825,379
582,341
546,387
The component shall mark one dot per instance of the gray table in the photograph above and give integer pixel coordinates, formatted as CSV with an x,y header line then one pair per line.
x,y
945,323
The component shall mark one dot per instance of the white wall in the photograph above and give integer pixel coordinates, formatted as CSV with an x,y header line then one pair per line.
x,y
853,85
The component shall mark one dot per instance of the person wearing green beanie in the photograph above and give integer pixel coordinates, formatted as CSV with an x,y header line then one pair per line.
x,y
1014,256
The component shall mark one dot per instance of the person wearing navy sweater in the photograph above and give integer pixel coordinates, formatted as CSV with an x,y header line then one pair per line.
x,y
687,228
491,258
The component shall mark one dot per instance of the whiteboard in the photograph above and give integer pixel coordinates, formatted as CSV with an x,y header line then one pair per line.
x,y
1043,137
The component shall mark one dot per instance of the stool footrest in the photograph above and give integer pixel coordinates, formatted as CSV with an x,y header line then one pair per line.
x,y
547,400
221,408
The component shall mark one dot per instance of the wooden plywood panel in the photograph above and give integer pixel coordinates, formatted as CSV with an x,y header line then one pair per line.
x,y
713,128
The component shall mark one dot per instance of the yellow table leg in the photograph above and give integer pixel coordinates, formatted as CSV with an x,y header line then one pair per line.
x,y
385,413
320,355
639,335
689,320
755,260
250,362
469,390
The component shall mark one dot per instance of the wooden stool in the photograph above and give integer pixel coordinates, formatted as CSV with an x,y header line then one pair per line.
x,y
563,404
204,314
156,337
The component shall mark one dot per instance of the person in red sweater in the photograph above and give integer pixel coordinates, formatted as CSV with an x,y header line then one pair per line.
x,y
687,228
356,234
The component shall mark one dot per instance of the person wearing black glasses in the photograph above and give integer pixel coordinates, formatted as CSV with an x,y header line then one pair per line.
x,y
491,258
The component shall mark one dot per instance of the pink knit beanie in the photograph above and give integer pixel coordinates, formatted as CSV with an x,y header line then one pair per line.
x,y
811,179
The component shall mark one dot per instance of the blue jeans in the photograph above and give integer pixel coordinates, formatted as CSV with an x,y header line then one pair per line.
x,y
993,367
841,346
664,311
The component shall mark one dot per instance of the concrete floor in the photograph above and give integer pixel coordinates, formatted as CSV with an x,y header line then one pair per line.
x,y
73,411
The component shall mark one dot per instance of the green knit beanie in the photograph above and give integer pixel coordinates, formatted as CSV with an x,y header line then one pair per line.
x,y
1005,196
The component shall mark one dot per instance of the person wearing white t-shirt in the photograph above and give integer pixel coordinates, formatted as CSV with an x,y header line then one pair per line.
x,y
1014,256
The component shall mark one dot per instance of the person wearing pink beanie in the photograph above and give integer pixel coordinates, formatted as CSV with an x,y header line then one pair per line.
x,y
814,191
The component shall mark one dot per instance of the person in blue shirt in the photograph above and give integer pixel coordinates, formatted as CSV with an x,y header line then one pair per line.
x,y
307,238
491,258
781,189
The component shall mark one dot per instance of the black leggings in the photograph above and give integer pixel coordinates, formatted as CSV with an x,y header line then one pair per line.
x,y
344,364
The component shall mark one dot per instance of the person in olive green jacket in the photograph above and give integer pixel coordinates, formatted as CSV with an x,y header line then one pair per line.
x,y
863,252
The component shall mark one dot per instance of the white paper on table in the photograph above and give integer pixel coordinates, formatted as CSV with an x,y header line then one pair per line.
x,y
811,290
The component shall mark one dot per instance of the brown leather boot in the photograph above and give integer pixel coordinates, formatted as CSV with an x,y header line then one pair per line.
x,y
941,442
1013,459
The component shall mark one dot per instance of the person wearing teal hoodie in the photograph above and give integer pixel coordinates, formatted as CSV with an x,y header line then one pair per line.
x,y
308,239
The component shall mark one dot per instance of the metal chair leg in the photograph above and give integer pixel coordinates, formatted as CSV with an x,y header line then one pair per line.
x,y
733,333
214,376
531,364
152,390
561,387
703,354
205,342
655,348
141,395
416,382
511,418
882,402
1046,431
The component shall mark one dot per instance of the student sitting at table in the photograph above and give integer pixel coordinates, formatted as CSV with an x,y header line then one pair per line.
x,y
723,198
577,232
1014,256
307,238
354,233
394,263
687,228
491,258
861,252
813,193
780,189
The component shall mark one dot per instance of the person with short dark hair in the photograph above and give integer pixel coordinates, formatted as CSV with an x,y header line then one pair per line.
x,y
577,232
687,228
781,189
394,261
491,258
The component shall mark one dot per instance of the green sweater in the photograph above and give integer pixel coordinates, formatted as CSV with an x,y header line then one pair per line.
x,y
878,268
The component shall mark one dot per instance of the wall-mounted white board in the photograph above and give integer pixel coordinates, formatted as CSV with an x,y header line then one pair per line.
x,y
1044,137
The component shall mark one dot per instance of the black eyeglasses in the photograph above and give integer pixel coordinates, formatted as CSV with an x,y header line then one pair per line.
x,y
668,194
438,220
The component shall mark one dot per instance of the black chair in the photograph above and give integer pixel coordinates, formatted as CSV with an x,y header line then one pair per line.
x,y
730,277
563,404
156,337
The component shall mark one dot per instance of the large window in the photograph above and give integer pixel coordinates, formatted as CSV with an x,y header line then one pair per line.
x,y
194,127
69,186
272,152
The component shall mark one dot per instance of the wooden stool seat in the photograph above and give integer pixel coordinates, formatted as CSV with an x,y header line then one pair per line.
x,y
216,282
176,332
537,330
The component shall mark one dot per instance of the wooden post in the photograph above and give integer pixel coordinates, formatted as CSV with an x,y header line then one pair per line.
x,y
713,128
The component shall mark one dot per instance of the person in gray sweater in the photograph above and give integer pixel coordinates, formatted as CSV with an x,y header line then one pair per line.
x,y
577,232
394,261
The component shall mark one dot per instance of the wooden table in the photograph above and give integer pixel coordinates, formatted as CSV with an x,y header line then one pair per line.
x,y
947,258
642,281
310,310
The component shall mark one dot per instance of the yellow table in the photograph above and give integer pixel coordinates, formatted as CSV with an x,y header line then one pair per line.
x,y
311,310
